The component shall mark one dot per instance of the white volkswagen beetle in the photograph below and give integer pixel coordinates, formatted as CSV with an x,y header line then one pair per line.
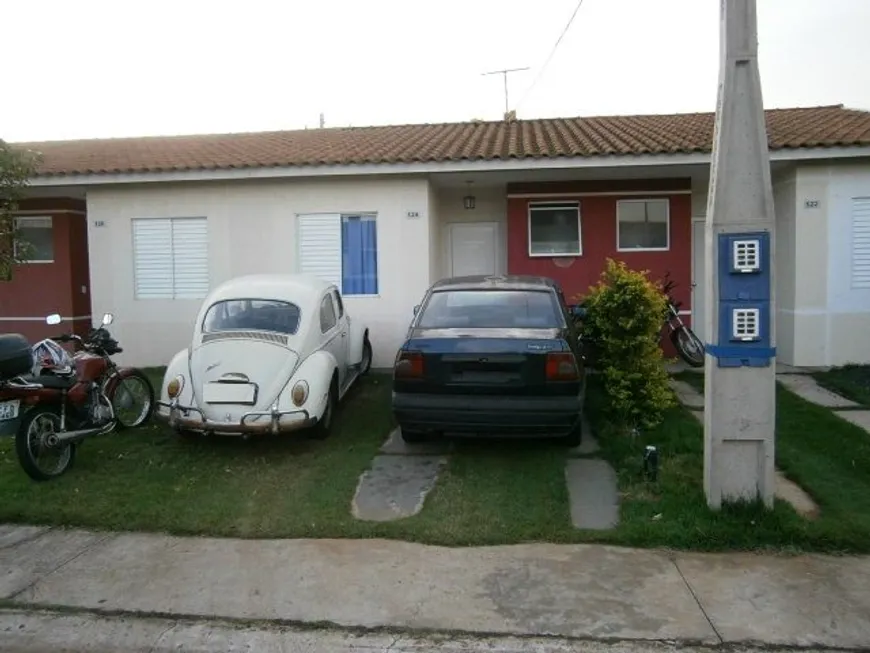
x,y
269,354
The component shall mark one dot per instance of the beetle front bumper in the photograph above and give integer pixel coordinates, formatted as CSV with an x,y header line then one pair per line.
x,y
192,419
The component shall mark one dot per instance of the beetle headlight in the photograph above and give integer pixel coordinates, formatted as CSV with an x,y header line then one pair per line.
x,y
299,393
175,386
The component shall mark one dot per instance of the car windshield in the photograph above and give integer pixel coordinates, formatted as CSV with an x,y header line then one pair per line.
x,y
518,309
252,314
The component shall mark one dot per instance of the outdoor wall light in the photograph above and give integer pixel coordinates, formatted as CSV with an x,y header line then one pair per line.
x,y
468,201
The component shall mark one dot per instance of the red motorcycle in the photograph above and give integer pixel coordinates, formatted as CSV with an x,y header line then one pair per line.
x,y
52,401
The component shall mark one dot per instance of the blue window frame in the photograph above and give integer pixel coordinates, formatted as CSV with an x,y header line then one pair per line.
x,y
359,255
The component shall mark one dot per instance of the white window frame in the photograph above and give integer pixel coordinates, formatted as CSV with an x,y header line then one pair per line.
x,y
554,204
32,219
171,220
667,247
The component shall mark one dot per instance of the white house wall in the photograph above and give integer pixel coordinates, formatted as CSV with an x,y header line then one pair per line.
x,y
252,229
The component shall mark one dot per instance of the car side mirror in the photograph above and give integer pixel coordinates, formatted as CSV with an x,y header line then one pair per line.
x,y
108,318
53,319
416,309
577,311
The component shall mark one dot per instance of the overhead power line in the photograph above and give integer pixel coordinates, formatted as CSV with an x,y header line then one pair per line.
x,y
550,57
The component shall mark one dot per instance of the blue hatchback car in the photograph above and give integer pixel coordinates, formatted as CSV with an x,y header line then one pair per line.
x,y
491,356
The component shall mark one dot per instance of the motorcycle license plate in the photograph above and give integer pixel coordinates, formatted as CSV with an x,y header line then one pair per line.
x,y
9,409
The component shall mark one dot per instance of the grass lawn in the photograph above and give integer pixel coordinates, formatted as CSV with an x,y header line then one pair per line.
x,y
490,493
850,381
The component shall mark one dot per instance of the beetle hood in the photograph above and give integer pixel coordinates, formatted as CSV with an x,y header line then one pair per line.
x,y
237,365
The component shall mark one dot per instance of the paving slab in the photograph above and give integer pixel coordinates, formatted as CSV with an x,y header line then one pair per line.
x,y
527,589
588,445
806,388
687,395
395,487
397,446
782,368
857,417
791,492
593,493
786,601
28,560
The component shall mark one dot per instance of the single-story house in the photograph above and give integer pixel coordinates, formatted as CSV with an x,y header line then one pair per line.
x,y
385,211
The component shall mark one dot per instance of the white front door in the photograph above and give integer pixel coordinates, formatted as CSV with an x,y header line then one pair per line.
x,y
699,256
473,248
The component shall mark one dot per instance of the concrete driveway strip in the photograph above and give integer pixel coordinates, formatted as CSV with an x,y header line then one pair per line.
x,y
794,601
536,589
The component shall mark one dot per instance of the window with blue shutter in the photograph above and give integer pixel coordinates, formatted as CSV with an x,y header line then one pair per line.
x,y
340,249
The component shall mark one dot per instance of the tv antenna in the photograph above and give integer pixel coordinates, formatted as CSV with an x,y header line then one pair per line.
x,y
504,72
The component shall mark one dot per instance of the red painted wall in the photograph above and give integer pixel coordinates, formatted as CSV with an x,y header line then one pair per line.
x,y
598,235
39,289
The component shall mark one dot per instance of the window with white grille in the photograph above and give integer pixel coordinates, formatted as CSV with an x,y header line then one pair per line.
x,y
170,258
747,254
746,324
860,243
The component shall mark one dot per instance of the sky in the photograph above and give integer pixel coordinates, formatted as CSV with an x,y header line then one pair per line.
x,y
111,68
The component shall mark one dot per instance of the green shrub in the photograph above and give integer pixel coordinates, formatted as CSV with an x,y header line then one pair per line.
x,y
625,313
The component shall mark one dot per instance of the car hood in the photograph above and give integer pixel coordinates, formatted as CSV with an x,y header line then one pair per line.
x,y
266,364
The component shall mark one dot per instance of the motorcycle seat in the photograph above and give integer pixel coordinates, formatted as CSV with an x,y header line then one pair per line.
x,y
52,381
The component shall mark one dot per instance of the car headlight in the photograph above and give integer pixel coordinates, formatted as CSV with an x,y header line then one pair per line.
x,y
175,386
299,393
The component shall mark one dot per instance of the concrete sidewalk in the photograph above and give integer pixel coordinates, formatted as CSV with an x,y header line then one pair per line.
x,y
578,591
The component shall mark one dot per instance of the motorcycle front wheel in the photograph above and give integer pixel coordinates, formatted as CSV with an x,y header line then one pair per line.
x,y
688,346
132,399
40,460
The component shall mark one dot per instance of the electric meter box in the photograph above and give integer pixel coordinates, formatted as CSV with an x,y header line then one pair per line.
x,y
744,300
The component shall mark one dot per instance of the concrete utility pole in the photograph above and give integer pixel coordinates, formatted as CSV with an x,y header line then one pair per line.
x,y
740,410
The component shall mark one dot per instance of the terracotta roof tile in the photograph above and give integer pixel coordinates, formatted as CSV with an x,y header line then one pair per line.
x,y
542,138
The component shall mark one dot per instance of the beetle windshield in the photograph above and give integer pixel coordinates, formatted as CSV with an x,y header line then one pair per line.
x,y
497,309
252,314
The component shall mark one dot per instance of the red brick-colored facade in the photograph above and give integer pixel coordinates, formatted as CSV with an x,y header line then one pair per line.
x,y
60,286
598,228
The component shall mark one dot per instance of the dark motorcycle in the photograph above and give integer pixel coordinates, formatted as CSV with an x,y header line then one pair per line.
x,y
688,345
54,404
